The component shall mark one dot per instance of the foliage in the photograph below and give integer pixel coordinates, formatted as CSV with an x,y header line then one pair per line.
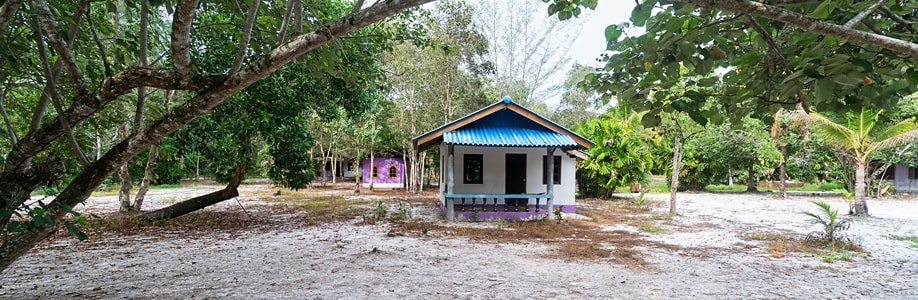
x,y
856,136
722,151
620,155
577,104
832,227
757,65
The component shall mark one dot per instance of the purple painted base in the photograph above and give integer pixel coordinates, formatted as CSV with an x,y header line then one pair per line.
x,y
488,214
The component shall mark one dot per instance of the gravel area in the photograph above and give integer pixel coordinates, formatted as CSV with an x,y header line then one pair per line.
x,y
286,259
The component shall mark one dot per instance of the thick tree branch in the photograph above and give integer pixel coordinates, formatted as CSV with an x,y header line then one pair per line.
x,y
809,24
864,14
61,47
133,77
8,10
246,36
181,31
86,181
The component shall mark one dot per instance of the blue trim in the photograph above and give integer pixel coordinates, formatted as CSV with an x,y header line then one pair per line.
x,y
501,196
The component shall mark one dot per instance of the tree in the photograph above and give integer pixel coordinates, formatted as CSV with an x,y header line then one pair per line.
x,y
529,52
621,155
577,104
762,54
858,135
26,167
436,80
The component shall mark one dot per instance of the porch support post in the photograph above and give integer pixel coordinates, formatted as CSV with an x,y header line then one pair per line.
x,y
450,162
550,180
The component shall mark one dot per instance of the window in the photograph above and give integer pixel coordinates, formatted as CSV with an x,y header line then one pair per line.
x,y
375,172
912,173
393,172
557,175
472,165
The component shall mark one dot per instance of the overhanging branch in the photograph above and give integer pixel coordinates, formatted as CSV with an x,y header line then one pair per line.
x,y
809,24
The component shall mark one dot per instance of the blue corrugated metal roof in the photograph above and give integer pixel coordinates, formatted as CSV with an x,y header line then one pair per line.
x,y
507,137
506,128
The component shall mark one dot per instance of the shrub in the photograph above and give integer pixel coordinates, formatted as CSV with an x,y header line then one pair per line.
x,y
832,227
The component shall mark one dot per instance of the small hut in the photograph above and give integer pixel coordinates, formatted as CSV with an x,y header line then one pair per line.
x,y
385,172
505,161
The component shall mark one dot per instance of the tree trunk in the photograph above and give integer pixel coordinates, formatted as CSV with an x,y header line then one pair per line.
x,y
404,174
372,166
750,181
729,176
677,168
147,177
782,186
422,162
334,169
860,189
124,192
188,206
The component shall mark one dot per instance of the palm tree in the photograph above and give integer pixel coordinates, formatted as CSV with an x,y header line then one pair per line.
x,y
861,134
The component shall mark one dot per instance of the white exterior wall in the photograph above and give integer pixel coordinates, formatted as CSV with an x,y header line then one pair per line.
x,y
494,176
902,183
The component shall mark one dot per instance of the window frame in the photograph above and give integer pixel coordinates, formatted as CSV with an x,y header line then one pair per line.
x,y
557,174
393,172
375,172
466,158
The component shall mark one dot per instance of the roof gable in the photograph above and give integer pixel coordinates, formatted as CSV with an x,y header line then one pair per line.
x,y
488,127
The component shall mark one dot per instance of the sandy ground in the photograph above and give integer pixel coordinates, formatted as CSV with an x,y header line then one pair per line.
x,y
285,258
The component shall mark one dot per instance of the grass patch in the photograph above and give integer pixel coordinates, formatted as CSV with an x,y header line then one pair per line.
x,y
907,238
778,245
808,187
646,227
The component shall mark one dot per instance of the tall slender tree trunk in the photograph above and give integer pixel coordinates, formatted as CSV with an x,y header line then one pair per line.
x,y
148,167
422,164
372,166
729,176
124,192
147,177
677,169
404,174
782,186
334,169
750,181
860,189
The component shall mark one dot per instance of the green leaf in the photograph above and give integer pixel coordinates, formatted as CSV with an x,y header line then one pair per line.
x,y
613,32
650,120
824,10
641,13
824,90
75,231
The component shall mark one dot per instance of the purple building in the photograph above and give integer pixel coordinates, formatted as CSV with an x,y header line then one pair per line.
x,y
386,172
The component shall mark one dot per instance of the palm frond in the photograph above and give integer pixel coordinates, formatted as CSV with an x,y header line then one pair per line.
x,y
834,133
898,140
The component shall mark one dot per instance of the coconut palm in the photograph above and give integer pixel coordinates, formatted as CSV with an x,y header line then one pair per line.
x,y
858,137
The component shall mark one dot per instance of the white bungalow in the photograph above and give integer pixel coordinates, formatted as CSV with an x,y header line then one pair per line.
x,y
493,163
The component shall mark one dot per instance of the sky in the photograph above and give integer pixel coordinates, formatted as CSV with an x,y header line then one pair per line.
x,y
592,40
